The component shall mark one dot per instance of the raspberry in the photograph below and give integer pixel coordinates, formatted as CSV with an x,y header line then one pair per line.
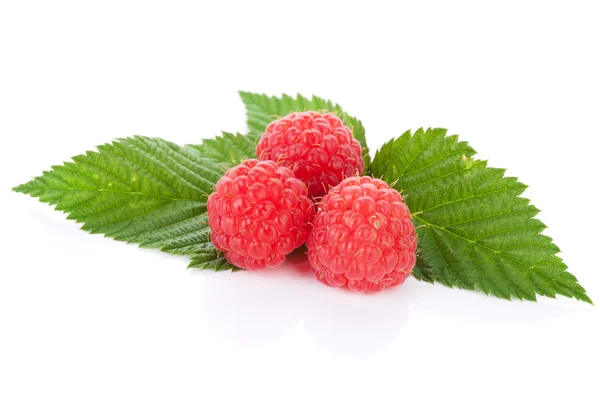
x,y
319,148
363,237
258,213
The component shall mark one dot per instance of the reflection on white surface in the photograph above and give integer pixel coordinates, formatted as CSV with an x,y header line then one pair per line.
x,y
250,309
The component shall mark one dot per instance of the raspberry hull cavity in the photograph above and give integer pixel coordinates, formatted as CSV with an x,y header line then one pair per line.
x,y
319,148
258,213
363,237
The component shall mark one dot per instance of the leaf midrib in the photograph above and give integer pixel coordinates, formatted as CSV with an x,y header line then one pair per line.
x,y
469,240
120,192
498,253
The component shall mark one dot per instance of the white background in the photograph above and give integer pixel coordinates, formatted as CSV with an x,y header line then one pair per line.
x,y
83,317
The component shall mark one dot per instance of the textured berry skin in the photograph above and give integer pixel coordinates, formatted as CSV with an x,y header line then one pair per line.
x,y
319,148
258,213
363,236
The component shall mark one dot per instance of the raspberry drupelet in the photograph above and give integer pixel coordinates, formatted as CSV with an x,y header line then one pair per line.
x,y
258,213
363,236
319,148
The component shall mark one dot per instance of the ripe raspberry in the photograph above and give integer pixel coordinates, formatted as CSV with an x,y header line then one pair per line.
x,y
319,148
363,237
258,213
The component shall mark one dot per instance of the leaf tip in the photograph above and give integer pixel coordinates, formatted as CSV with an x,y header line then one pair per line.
x,y
585,298
244,95
23,188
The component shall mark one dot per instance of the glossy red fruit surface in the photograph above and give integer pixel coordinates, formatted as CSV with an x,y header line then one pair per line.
x,y
258,213
319,148
363,236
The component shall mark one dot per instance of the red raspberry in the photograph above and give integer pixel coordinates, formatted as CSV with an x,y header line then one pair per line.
x,y
363,237
258,213
319,148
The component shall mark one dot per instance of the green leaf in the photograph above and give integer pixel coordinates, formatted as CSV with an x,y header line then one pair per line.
x,y
229,149
475,231
262,109
138,190
206,260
